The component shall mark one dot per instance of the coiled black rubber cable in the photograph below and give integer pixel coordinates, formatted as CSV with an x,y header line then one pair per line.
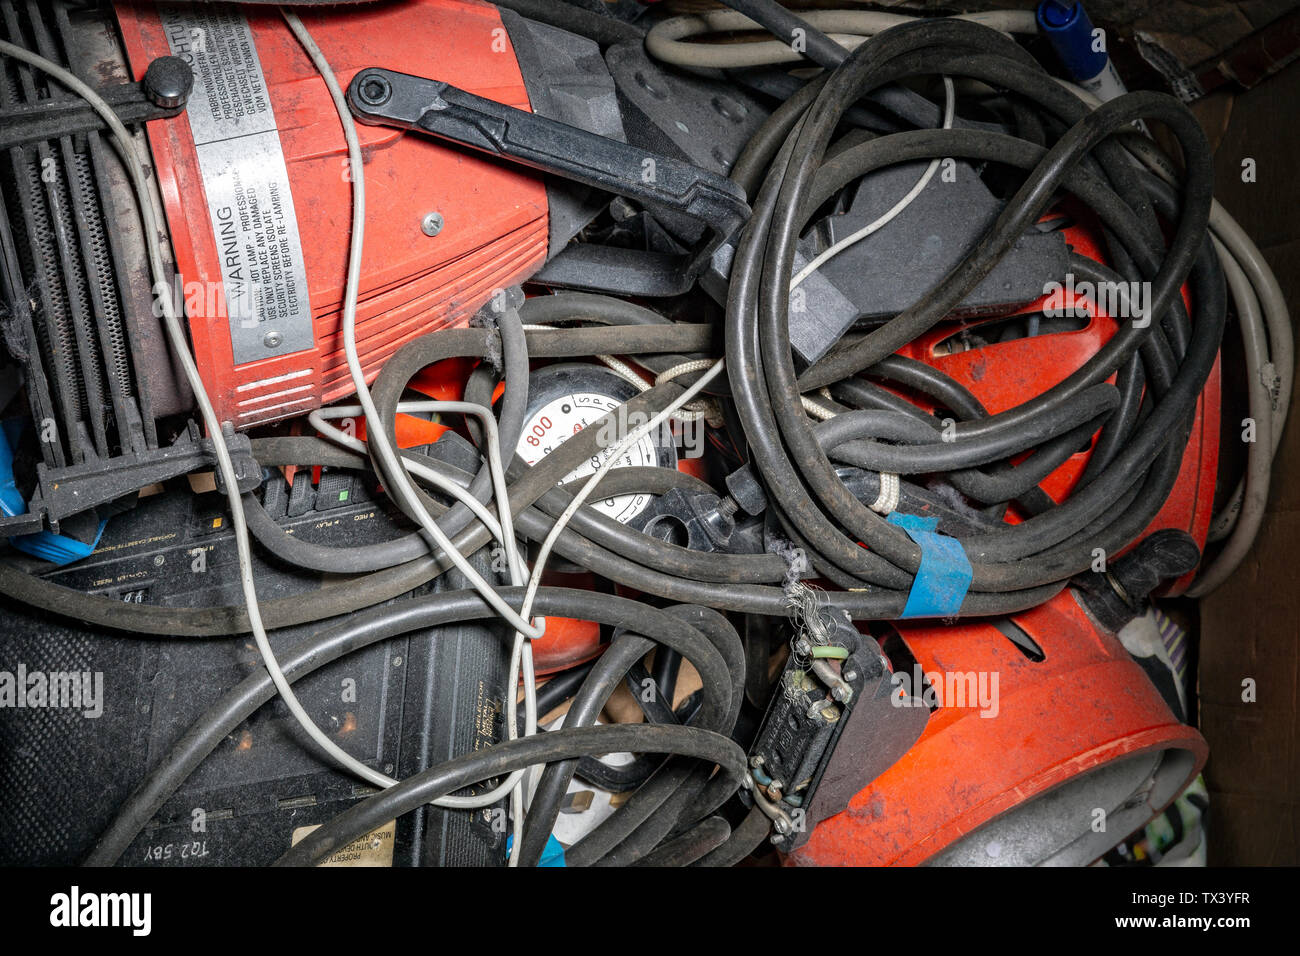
x,y
693,845
554,780
356,632
511,755
692,792
1091,130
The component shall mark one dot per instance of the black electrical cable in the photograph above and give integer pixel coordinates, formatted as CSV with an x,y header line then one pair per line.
x,y
792,30
351,634
605,677
503,758
744,840
559,688
698,842
780,377
765,387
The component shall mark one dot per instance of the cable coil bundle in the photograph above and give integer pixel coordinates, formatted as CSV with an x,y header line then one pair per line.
x,y
1135,398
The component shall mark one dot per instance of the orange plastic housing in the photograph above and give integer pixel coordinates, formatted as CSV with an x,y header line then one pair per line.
x,y
495,217
1085,705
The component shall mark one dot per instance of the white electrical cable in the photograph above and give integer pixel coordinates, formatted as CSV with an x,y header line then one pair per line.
x,y
398,483
136,169
683,368
888,497
949,109
629,375
521,658
320,420
819,412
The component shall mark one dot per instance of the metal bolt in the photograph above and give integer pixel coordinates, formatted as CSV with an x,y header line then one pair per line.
x,y
431,224
838,693
756,761
272,339
782,825
850,675
374,90
159,560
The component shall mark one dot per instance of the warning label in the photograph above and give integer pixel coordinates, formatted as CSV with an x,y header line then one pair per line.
x,y
245,181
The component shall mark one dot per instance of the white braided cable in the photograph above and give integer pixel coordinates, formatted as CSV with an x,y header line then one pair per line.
x,y
890,490
684,368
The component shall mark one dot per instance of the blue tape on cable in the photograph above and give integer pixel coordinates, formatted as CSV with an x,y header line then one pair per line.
x,y
58,549
945,572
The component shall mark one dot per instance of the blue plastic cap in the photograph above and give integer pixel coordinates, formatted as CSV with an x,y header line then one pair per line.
x,y
1069,30
1055,16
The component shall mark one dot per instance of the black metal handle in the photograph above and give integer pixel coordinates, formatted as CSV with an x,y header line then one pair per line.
x,y
386,98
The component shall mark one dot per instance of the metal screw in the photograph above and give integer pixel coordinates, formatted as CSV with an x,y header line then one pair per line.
x,y
850,675
159,560
272,339
782,825
756,761
838,693
431,224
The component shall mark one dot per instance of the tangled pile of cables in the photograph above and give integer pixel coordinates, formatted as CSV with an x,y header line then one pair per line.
x,y
794,432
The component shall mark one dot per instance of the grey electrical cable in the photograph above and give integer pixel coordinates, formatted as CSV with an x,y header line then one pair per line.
x,y
1269,347
669,41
